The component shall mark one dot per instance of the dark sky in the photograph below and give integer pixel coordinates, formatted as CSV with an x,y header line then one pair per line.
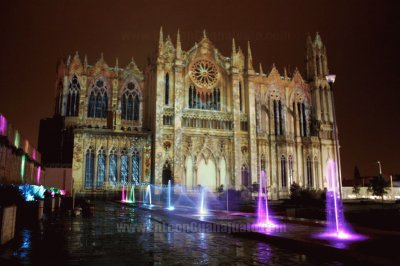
x,y
361,39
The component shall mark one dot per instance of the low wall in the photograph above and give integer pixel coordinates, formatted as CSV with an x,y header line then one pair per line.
x,y
347,193
7,223
58,178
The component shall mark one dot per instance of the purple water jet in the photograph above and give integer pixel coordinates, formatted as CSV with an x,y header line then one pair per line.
x,y
263,218
336,227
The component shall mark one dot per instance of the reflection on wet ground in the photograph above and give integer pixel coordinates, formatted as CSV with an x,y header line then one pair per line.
x,y
102,240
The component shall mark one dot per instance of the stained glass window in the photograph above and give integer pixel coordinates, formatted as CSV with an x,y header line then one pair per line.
x,y
130,103
113,168
136,168
73,97
98,100
124,171
89,170
101,168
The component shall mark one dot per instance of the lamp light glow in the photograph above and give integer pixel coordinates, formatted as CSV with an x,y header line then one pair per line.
x,y
330,78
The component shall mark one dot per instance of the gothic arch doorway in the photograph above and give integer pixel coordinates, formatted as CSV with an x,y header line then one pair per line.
x,y
167,174
207,175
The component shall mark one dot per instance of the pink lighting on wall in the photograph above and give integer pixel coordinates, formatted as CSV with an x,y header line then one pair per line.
x,y
34,154
3,125
39,170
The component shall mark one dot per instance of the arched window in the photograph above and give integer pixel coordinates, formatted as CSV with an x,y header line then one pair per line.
x,y
73,97
101,167
98,100
166,89
309,173
315,172
124,171
113,167
130,103
302,116
283,172
89,169
279,123
135,167
291,170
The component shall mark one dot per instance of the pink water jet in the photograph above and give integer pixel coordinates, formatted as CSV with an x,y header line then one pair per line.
x,y
336,228
263,217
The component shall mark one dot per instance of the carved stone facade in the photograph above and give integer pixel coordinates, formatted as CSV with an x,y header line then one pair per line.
x,y
196,118
216,121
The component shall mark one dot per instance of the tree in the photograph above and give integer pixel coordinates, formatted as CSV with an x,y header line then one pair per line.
x,y
378,186
356,189
295,191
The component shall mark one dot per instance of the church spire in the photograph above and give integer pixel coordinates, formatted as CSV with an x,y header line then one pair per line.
x,y
204,34
161,39
178,46
233,46
116,63
261,70
249,57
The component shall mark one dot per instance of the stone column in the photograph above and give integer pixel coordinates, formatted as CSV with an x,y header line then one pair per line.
x,y
178,109
251,120
236,172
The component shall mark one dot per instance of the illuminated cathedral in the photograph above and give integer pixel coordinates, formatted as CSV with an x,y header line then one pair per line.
x,y
197,118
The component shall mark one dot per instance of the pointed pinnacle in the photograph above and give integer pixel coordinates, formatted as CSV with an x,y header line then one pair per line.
x,y
116,63
261,70
204,34
178,39
233,46
161,40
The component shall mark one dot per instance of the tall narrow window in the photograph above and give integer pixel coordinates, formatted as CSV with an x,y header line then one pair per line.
x,y
135,167
304,119
262,162
98,100
89,169
281,122
315,172
309,173
300,117
73,97
283,172
166,89
101,168
113,167
130,102
124,170
136,109
276,117
240,97
291,170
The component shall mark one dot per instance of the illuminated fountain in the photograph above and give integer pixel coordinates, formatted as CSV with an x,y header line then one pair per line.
x,y
202,206
147,197
336,227
170,207
128,197
263,218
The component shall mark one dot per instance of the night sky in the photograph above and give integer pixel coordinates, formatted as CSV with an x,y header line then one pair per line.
x,y
361,39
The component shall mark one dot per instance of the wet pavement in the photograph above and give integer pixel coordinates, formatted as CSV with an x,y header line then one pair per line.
x,y
123,235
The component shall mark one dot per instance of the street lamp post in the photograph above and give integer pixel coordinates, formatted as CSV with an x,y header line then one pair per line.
x,y
331,79
380,167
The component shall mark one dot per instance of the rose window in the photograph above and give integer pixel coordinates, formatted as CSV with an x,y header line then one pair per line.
x,y
204,74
